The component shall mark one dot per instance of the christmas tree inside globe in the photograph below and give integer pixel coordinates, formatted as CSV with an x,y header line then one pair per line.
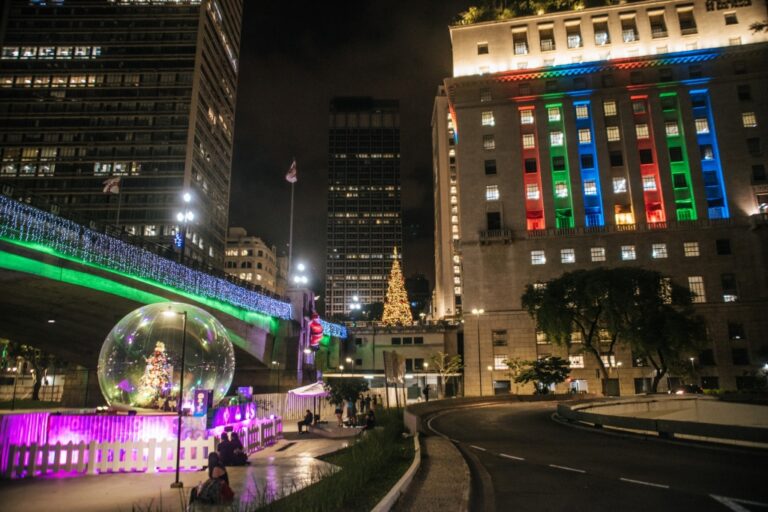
x,y
140,360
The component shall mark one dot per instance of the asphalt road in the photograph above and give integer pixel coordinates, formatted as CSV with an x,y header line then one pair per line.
x,y
537,464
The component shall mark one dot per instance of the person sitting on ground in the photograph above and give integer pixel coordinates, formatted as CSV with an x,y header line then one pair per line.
x,y
339,413
370,421
214,491
240,458
214,461
306,422
226,450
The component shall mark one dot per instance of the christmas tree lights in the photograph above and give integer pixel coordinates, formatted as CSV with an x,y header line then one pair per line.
x,y
397,308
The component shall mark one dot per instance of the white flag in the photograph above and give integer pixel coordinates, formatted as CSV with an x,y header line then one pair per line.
x,y
112,186
291,176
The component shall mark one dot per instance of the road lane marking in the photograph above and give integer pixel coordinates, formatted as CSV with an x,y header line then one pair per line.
x,y
642,482
733,503
566,468
510,456
478,448
455,441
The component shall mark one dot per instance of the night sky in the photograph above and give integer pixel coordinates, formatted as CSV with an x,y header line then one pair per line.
x,y
294,58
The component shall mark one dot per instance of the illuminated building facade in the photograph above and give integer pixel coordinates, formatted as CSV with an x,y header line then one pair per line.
x,y
627,135
364,212
250,259
143,91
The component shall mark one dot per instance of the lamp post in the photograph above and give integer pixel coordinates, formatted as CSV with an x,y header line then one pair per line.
x,y
300,278
180,405
184,218
276,364
693,366
618,376
477,313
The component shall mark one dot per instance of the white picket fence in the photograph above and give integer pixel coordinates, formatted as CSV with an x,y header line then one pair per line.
x,y
27,461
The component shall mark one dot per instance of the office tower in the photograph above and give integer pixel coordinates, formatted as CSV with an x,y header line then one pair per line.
x,y
250,259
626,135
140,91
364,214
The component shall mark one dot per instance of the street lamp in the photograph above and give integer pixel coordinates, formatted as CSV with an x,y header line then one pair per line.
x,y
477,313
693,366
180,405
184,217
300,278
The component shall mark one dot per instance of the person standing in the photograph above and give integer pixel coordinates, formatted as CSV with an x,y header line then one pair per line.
x,y
426,393
368,403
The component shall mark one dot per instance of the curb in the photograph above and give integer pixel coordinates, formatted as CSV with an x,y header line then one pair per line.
x,y
388,501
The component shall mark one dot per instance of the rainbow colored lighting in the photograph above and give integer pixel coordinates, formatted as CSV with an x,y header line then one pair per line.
x,y
649,161
590,172
685,205
561,176
711,168
534,202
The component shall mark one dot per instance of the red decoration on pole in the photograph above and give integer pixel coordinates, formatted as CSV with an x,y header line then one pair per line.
x,y
315,332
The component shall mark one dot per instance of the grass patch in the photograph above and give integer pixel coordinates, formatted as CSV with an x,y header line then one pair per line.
x,y
369,468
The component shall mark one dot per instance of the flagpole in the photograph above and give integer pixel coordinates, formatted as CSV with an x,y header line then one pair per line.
x,y
290,235
119,202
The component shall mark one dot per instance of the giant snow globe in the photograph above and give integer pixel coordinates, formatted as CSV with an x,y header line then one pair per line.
x,y
140,364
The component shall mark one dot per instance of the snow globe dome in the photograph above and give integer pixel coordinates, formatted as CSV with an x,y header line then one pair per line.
x,y
140,360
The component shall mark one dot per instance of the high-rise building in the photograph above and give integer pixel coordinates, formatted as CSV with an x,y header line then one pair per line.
x,y
250,259
364,212
143,91
627,135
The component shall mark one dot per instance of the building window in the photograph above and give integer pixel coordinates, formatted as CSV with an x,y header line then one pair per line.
x,y
528,141
492,193
612,133
576,361
489,142
485,95
696,285
547,39
585,136
530,165
723,246
749,120
658,26
556,138
642,131
538,258
753,146
702,125
487,118
482,48
582,112
526,116
561,189
619,185
490,167
690,249
687,21
730,18
553,114
659,251
532,191
628,253
736,331
597,253
499,362
567,256
730,288
671,129
758,172
649,183
740,356
744,92
590,188
573,33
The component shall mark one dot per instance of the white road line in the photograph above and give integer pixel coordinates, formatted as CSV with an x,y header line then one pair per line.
x,y
478,448
733,503
510,456
641,482
455,441
566,468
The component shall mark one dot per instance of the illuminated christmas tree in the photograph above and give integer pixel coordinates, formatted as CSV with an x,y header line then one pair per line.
x,y
156,380
397,308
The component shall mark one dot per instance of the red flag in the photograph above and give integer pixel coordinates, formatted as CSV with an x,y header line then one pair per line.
x,y
112,186
291,176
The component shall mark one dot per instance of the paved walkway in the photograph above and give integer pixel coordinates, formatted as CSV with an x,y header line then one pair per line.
x,y
285,467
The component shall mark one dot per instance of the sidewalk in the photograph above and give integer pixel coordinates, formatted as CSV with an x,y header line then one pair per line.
x,y
282,468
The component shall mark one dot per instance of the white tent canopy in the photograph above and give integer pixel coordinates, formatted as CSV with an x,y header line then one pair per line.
x,y
311,390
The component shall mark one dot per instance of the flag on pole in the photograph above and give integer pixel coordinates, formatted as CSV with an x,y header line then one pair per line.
x,y
112,186
291,175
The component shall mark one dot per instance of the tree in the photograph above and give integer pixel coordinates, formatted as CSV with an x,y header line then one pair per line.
x,y
544,372
515,365
759,26
156,381
38,359
397,308
345,390
445,365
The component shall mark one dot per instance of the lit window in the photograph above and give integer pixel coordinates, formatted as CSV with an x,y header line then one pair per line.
x,y
619,185
691,249
576,361
489,142
672,129
638,107
642,131
582,112
553,114
567,256
609,108
628,253
597,253
526,116
702,125
487,119
590,188
538,258
150,230
624,215
10,52
485,95
529,141
499,362
532,191
585,136
749,120
696,285
556,138
613,134
659,251
561,189
492,193
649,183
